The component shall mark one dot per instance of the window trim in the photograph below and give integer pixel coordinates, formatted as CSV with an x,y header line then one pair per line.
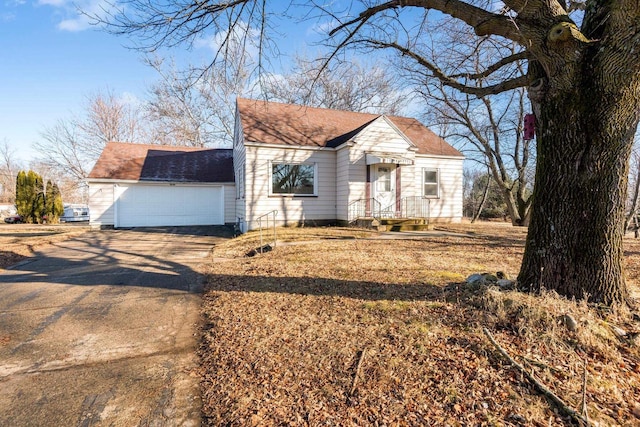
x,y
315,178
437,183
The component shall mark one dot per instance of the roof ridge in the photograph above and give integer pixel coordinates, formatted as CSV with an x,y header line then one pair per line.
x,y
288,104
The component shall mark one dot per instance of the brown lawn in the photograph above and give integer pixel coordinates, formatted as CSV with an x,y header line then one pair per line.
x,y
351,330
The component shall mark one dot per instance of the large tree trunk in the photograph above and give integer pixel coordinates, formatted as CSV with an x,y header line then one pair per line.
x,y
585,135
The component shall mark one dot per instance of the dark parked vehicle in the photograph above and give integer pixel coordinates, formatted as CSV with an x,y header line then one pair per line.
x,y
13,219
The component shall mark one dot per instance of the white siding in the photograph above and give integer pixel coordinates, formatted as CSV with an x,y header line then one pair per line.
x,y
240,172
378,137
229,204
381,136
291,209
342,184
448,206
101,204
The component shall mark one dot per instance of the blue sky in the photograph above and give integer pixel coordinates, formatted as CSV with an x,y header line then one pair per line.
x,y
52,60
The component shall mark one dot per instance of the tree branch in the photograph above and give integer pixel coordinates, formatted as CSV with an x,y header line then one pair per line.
x,y
504,86
492,68
483,22
541,387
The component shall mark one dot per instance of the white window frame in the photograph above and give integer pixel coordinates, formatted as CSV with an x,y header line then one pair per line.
x,y
315,178
424,183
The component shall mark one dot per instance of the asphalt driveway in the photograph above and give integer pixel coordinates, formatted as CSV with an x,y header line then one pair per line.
x,y
101,330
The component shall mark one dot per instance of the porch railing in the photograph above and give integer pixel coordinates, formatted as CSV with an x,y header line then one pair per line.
x,y
410,207
364,208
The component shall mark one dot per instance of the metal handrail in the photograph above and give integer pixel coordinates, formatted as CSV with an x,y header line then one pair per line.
x,y
358,209
410,207
267,216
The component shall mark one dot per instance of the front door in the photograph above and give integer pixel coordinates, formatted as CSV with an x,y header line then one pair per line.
x,y
384,186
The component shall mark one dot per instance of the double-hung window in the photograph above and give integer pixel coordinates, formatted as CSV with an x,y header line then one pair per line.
x,y
430,183
293,179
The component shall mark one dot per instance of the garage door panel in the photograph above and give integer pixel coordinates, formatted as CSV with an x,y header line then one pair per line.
x,y
163,205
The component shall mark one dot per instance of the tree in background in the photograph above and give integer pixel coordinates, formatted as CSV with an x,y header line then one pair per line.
x,y
29,196
23,195
8,170
73,145
349,86
195,107
34,202
484,198
53,203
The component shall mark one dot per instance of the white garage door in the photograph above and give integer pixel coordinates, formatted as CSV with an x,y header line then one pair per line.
x,y
160,205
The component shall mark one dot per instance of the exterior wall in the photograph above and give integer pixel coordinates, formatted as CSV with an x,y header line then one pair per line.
x,y
103,198
448,206
229,204
379,137
342,184
292,210
101,204
239,170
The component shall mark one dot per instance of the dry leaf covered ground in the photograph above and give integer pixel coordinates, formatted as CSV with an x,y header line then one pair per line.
x,y
352,330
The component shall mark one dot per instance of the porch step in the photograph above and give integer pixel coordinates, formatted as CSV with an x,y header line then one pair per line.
x,y
402,221
410,227
394,224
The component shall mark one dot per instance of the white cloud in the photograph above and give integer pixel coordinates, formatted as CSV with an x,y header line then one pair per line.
x,y
74,16
7,17
54,3
80,23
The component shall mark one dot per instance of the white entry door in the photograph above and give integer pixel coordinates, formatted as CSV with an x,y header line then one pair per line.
x,y
385,187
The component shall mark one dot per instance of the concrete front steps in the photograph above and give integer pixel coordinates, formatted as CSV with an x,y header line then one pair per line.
x,y
395,224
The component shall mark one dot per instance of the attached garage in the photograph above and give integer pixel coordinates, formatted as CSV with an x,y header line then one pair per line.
x,y
142,205
135,185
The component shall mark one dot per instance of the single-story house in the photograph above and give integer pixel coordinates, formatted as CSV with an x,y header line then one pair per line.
x,y
316,165
136,185
290,163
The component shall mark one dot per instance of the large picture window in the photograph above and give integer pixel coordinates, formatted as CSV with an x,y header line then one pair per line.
x,y
430,183
293,179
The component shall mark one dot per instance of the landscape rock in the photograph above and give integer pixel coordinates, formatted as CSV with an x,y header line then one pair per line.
x,y
569,322
475,279
506,284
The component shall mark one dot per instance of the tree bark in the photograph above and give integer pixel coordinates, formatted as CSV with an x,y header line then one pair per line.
x,y
574,244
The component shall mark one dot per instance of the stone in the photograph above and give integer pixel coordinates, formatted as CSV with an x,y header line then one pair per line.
x,y
506,284
489,278
569,322
476,279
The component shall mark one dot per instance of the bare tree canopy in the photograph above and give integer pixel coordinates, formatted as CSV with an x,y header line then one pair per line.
x,y
73,145
583,80
351,86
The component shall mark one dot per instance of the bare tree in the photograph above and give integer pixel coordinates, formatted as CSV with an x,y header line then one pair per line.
x,y
490,132
583,80
350,86
73,145
634,193
194,107
9,168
